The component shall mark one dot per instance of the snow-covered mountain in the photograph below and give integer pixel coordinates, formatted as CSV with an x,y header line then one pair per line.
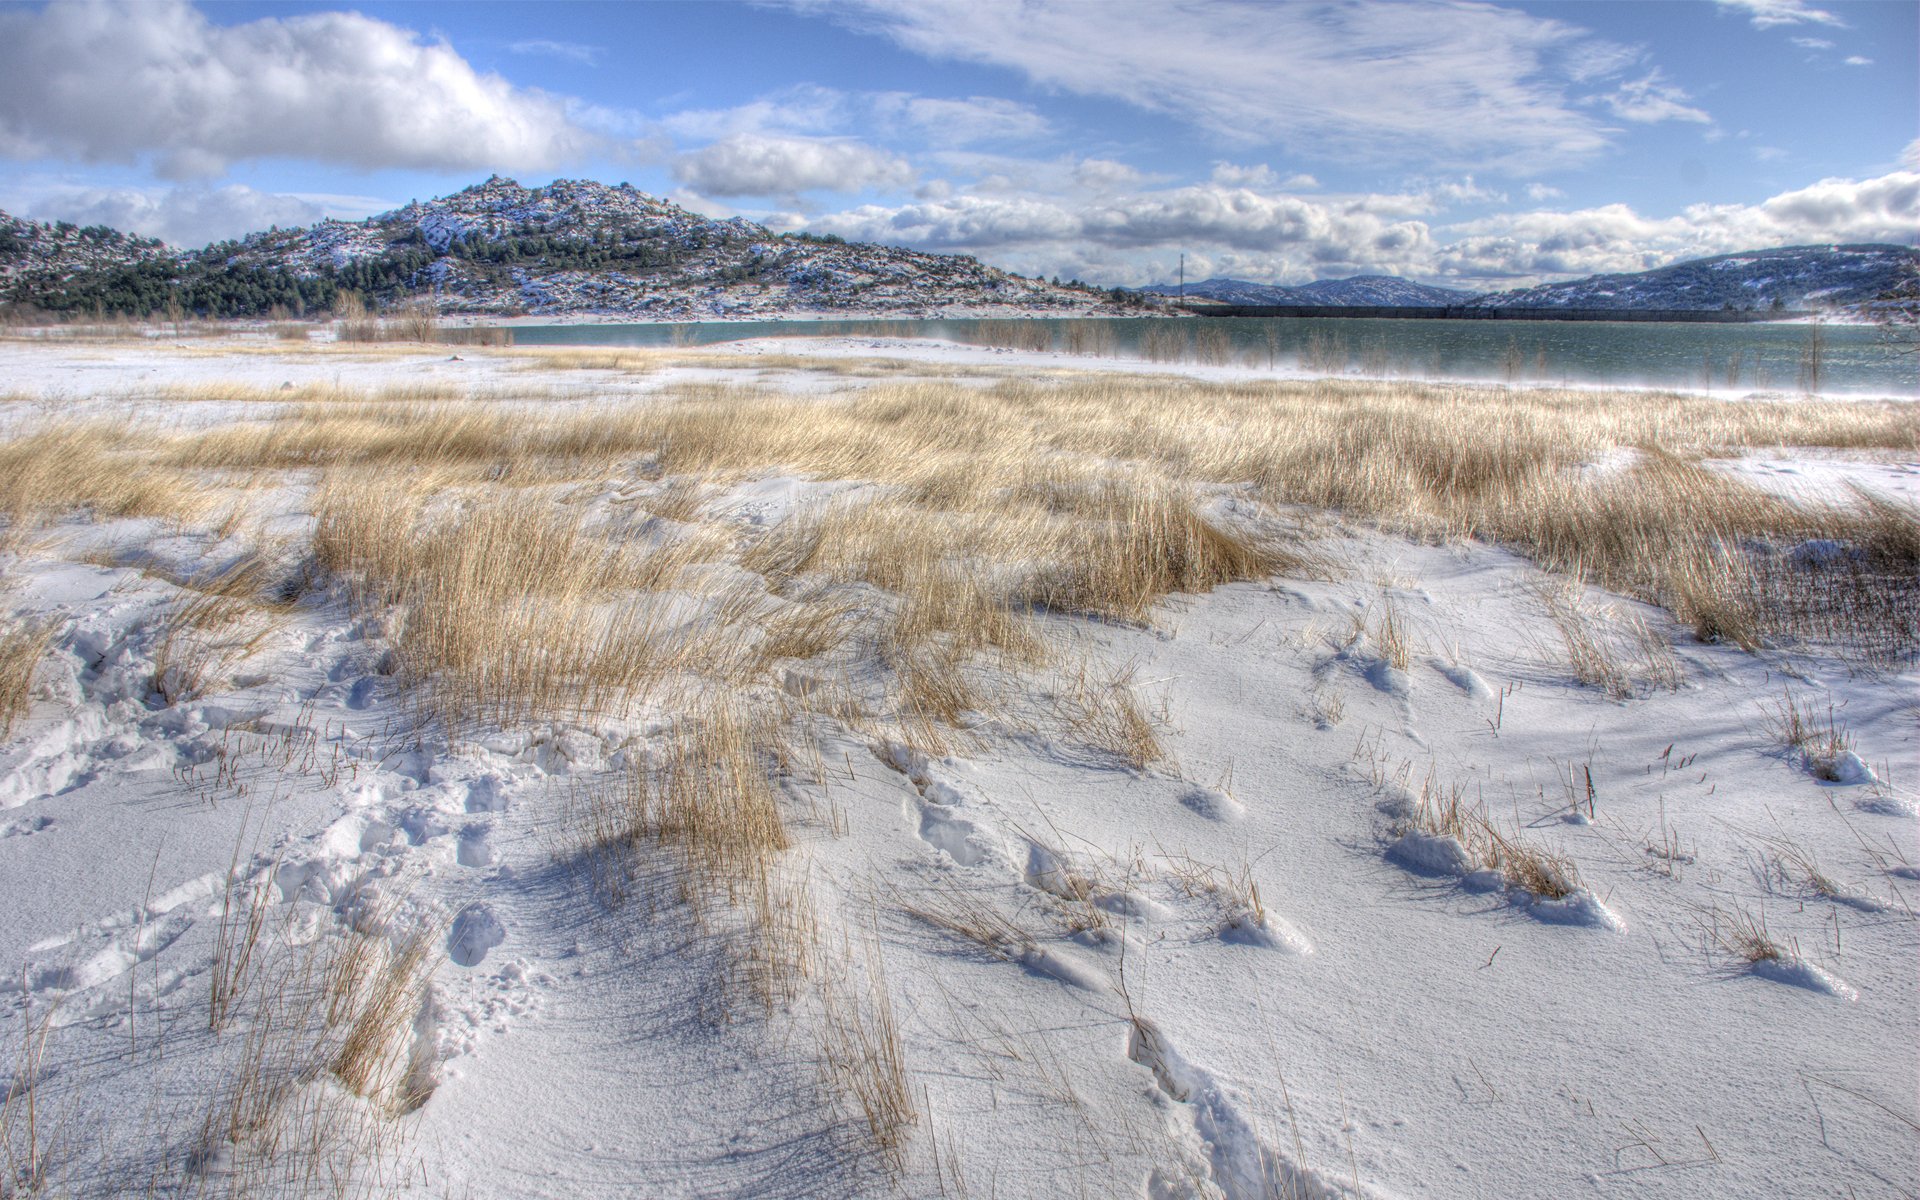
x,y
1791,277
1360,290
571,247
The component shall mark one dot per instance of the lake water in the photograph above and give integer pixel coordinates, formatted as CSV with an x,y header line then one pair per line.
x,y
1851,359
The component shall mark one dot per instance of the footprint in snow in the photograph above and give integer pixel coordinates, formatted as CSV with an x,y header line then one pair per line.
x,y
485,795
475,932
24,826
476,845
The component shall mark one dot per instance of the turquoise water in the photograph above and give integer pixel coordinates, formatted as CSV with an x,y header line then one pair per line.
x,y
1756,357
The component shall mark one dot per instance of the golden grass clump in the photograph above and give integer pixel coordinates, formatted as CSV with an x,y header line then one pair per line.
x,y
1152,543
506,607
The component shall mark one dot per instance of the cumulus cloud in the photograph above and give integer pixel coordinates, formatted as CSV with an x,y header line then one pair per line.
x,y
195,216
1615,238
1128,236
117,82
751,164
1473,84
1856,60
1769,14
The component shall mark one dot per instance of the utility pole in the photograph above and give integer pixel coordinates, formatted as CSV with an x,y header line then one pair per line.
x,y
1183,276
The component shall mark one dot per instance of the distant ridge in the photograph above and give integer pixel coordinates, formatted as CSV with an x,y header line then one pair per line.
x,y
1795,278
1360,290
499,249
1789,277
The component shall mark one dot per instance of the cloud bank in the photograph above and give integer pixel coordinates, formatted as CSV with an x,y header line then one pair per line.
x,y
104,81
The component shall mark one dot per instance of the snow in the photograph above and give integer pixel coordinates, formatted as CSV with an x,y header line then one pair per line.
x,y
1383,1017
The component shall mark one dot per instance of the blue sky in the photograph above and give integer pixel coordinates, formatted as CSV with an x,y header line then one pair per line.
x,y
1473,144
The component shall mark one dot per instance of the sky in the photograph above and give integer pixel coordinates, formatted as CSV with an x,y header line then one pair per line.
x,y
1474,145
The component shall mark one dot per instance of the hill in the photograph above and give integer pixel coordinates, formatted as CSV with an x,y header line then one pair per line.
x,y
1360,291
498,249
1790,277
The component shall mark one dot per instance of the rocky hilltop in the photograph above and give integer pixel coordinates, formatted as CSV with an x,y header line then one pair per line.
x,y
570,248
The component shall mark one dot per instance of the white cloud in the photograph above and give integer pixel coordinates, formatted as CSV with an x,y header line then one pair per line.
x,y
1228,174
1855,60
751,164
117,82
1539,193
195,216
1105,175
1471,84
1768,14
1651,99
1130,237
1811,43
1614,238
963,122
571,51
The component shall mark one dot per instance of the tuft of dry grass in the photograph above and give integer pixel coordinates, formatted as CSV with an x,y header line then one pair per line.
x,y
1104,710
1616,652
863,1059
1818,738
1442,812
22,645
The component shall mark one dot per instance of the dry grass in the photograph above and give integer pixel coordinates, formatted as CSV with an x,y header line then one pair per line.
x,y
1103,709
324,1054
22,645
1817,737
1614,651
1442,812
507,607
101,472
1743,935
863,1059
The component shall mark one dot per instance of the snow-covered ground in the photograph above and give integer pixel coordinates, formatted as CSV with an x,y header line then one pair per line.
x,y
1239,972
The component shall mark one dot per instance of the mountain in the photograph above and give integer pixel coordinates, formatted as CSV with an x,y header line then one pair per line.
x,y
1791,277
1370,291
499,249
1379,291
